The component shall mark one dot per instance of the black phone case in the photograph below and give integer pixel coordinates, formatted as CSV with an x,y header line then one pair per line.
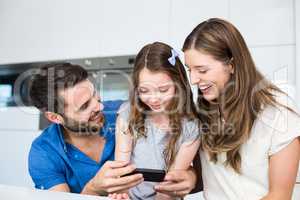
x,y
152,175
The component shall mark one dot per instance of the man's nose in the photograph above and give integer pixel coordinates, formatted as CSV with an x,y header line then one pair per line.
x,y
98,106
101,106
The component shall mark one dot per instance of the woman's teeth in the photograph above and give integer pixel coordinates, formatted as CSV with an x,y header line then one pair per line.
x,y
204,87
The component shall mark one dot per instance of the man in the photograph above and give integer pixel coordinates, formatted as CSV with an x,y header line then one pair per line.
x,y
75,153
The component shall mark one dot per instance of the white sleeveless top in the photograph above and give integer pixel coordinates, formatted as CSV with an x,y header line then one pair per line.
x,y
274,129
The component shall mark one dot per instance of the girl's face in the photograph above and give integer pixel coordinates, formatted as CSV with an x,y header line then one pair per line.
x,y
210,75
156,90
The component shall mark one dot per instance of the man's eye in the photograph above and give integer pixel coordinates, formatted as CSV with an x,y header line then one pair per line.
x,y
82,108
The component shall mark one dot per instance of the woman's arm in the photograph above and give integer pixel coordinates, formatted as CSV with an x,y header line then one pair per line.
x,y
124,141
185,155
283,172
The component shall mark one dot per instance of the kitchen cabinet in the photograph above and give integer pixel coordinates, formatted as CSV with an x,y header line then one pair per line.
x,y
185,15
296,194
268,22
126,26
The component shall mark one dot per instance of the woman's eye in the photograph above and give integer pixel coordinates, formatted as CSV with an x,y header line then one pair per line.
x,y
202,71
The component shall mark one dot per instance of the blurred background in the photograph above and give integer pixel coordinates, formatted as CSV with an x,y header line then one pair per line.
x,y
105,35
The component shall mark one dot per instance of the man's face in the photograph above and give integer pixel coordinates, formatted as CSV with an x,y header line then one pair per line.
x,y
82,109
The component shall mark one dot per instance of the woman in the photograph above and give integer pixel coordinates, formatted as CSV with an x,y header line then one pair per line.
x,y
250,142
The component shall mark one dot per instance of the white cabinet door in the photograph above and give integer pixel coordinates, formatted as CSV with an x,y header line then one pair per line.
x,y
36,30
126,26
296,195
14,150
268,22
277,63
298,177
185,15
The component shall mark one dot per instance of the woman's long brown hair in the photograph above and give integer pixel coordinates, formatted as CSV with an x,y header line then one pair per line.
x,y
154,57
243,98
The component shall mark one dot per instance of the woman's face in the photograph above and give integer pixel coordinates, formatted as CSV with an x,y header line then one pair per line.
x,y
156,90
210,75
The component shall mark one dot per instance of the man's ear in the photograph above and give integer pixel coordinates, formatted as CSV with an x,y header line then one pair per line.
x,y
54,117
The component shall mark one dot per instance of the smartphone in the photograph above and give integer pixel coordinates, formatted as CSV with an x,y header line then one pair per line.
x,y
152,175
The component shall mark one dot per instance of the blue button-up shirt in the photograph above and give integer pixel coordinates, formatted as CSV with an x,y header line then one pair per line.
x,y
52,161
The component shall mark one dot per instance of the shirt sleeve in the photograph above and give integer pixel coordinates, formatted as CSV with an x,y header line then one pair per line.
x,y
191,130
286,129
45,170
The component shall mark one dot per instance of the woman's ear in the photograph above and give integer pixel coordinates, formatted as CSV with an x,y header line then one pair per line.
x,y
54,117
230,65
231,69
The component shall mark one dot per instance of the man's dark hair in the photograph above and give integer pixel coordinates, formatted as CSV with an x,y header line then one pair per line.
x,y
49,80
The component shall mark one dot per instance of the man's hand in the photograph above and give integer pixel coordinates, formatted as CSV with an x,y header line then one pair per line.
x,y
109,179
178,183
115,196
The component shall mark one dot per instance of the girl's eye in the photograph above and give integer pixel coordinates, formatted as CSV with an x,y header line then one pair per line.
x,y
141,91
163,90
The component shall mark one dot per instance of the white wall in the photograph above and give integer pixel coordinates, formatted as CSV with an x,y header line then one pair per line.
x,y
269,29
297,35
185,15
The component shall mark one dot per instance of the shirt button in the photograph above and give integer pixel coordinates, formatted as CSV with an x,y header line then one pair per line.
x,y
75,156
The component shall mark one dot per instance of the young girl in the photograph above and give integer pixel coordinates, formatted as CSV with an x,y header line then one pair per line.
x,y
250,148
158,129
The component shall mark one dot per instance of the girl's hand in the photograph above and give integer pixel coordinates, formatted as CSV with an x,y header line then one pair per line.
x,y
178,183
161,196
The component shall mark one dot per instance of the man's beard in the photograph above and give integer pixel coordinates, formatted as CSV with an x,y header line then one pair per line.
x,y
90,128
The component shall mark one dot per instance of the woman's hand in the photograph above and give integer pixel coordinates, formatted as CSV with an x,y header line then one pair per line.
x,y
178,183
